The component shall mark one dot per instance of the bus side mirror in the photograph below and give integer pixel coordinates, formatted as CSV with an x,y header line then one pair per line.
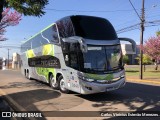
x,y
83,45
69,40
131,41
76,39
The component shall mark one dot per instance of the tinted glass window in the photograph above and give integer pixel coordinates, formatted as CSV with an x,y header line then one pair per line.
x,y
46,61
102,58
93,28
65,28
36,41
26,46
43,41
72,55
74,61
51,34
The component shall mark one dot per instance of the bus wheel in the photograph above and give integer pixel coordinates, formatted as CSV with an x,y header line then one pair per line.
x,y
62,85
52,82
28,75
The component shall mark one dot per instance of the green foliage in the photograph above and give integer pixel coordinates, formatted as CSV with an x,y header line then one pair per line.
x,y
26,7
158,33
125,59
146,59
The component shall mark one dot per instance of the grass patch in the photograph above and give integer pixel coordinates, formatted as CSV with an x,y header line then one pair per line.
x,y
150,73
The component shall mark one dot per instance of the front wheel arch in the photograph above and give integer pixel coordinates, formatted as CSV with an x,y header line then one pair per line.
x,y
52,80
61,83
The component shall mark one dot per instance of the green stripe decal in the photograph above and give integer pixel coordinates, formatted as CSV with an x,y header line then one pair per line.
x,y
45,72
100,77
48,49
30,54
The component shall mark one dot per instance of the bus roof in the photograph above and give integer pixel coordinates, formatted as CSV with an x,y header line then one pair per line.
x,y
60,20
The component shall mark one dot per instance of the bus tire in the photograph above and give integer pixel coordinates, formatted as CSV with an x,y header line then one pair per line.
x,y
62,85
52,82
28,75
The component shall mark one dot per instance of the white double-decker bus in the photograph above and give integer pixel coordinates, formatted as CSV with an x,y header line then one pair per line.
x,y
76,53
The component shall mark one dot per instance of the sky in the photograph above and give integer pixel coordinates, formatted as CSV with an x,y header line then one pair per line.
x,y
119,12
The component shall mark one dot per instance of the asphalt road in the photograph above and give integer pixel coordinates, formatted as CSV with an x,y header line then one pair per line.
x,y
32,95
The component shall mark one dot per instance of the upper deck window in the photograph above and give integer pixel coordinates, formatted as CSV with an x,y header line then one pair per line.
x,y
93,28
65,28
51,34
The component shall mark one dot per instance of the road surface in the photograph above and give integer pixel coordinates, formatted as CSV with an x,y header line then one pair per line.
x,y
32,95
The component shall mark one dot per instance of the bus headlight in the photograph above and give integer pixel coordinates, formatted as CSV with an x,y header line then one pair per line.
x,y
122,75
101,81
89,79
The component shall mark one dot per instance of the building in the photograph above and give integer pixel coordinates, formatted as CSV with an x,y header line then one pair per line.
x,y
3,64
127,50
16,61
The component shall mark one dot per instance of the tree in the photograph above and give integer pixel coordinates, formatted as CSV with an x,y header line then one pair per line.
x,y
146,60
9,18
26,7
158,33
125,59
152,49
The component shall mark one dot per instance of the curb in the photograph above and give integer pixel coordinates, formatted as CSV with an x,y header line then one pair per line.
x,y
11,102
3,105
14,105
143,81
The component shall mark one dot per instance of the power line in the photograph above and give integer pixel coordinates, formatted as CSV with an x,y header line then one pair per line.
x,y
61,10
135,10
126,29
137,26
3,52
127,22
152,16
10,46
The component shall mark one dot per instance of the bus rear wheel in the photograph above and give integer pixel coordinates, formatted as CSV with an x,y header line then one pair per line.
x,y
52,82
62,85
28,75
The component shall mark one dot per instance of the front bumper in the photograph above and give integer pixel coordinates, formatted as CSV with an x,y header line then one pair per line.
x,y
91,87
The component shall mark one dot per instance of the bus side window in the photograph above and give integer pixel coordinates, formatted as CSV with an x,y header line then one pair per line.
x,y
55,34
51,34
26,46
73,60
65,28
36,41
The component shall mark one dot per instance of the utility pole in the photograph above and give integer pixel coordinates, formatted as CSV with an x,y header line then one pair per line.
x,y
8,58
141,41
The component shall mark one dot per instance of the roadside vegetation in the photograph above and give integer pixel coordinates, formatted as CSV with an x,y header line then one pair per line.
x,y
151,59
132,71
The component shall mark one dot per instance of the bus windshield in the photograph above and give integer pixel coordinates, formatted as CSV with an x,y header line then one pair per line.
x,y
102,58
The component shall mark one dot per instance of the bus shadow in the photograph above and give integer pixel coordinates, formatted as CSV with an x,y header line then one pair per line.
x,y
32,83
26,100
133,97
